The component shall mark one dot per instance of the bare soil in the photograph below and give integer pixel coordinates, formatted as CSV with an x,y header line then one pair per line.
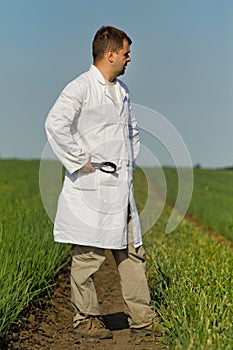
x,y
49,326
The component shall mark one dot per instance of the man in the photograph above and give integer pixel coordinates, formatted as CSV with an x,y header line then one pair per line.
x,y
92,122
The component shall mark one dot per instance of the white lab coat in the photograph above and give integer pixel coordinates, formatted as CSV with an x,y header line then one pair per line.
x,y
92,207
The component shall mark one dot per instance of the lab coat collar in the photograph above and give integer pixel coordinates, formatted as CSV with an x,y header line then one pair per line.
x,y
96,72
98,75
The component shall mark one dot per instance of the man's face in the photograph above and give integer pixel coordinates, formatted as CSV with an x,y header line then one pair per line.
x,y
121,59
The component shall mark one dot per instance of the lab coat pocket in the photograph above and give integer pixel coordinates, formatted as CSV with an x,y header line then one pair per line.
x,y
107,186
106,179
84,181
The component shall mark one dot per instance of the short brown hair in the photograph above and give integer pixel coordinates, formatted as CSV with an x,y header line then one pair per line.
x,y
108,37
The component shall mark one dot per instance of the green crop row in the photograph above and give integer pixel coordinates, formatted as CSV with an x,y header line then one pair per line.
x,y
29,258
190,278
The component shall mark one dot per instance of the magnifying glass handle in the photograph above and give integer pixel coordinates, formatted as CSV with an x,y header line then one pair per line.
x,y
96,165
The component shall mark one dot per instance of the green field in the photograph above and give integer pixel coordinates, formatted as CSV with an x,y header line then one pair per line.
x,y
190,275
212,200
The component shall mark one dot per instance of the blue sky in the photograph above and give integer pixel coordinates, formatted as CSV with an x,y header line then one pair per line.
x,y
182,67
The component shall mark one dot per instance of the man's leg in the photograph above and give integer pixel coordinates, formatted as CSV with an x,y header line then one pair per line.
x,y
85,262
132,266
87,322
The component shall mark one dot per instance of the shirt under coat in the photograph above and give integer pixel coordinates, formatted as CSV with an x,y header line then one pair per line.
x,y
92,208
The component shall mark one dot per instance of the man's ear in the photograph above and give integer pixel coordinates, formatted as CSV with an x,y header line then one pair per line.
x,y
110,56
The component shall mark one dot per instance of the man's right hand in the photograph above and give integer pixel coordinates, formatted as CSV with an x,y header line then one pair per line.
x,y
88,168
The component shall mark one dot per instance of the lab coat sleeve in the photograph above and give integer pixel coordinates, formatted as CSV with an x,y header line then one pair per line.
x,y
133,136
58,127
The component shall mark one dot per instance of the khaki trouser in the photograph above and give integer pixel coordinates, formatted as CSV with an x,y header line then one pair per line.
x,y
131,267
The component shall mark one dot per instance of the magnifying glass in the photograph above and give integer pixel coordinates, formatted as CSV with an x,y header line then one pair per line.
x,y
106,167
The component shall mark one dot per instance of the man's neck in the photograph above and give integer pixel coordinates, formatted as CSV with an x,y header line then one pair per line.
x,y
107,74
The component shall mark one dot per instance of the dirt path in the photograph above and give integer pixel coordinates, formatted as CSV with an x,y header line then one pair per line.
x,y
51,328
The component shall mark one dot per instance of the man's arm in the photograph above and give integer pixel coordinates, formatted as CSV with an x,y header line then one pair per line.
x,y
58,129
